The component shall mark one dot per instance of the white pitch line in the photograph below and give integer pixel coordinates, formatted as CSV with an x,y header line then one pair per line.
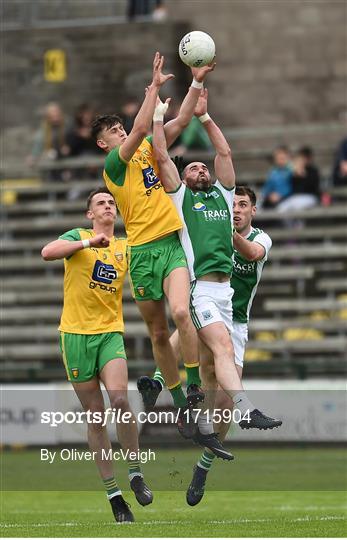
x,y
173,522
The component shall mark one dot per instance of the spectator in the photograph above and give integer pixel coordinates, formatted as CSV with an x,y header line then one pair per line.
x,y
278,185
49,141
140,8
128,113
78,137
339,174
193,137
305,183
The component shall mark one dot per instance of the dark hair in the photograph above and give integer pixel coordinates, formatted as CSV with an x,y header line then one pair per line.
x,y
306,151
282,148
95,192
243,190
102,122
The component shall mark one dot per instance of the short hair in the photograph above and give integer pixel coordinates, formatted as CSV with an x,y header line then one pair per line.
x,y
95,192
244,190
306,151
102,122
282,148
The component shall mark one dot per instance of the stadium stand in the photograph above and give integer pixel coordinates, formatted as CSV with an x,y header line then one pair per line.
x,y
298,324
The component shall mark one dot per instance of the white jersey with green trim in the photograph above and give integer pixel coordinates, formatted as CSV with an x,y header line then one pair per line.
x,y
246,276
207,230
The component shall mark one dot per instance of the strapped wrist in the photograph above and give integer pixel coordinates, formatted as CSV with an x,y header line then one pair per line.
x,y
204,117
158,117
86,243
197,84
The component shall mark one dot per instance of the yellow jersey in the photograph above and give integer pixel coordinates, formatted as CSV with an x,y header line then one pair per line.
x,y
147,211
93,284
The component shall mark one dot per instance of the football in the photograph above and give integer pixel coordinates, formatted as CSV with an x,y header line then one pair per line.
x,y
197,49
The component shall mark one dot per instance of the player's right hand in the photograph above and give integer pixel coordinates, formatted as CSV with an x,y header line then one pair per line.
x,y
199,74
99,241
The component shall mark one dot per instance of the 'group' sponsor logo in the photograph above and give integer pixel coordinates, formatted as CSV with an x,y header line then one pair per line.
x,y
104,273
149,177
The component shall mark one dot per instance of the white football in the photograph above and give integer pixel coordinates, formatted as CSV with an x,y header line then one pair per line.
x,y
197,49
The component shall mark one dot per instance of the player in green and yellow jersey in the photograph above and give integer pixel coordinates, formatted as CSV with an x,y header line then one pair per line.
x,y
157,263
91,336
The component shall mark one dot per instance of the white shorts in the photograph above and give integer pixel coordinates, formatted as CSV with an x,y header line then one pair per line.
x,y
240,338
210,302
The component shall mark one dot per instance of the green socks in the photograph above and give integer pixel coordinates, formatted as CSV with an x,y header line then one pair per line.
x,y
134,469
158,377
111,487
206,460
178,396
192,371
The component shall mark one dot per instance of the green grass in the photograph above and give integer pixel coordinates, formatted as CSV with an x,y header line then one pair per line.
x,y
222,513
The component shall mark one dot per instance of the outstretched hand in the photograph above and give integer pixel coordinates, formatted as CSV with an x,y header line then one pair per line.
x,y
201,106
200,73
159,78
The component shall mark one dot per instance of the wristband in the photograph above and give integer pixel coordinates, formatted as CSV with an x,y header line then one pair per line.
x,y
158,116
197,84
86,243
204,117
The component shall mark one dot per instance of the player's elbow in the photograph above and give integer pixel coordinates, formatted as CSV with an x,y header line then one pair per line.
x,y
140,129
255,255
46,254
225,152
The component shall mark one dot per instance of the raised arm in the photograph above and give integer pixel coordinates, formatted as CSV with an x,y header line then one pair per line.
x,y
143,120
223,164
175,127
168,173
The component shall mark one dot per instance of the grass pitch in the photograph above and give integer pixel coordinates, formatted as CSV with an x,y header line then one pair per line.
x,y
220,513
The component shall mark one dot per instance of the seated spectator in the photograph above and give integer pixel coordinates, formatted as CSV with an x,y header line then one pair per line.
x,y
128,113
305,183
278,185
78,137
193,137
339,174
49,141
139,8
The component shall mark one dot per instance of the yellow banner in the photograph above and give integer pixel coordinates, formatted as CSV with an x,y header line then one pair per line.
x,y
55,65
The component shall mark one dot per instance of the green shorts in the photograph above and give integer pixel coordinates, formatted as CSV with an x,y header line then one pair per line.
x,y
149,264
85,355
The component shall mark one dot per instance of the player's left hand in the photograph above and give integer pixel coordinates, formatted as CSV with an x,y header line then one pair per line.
x,y
199,74
159,78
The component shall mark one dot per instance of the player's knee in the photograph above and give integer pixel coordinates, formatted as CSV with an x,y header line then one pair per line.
x,y
159,337
223,347
119,402
181,315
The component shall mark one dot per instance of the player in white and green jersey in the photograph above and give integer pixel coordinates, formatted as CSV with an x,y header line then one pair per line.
x,y
251,251
206,210
251,248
